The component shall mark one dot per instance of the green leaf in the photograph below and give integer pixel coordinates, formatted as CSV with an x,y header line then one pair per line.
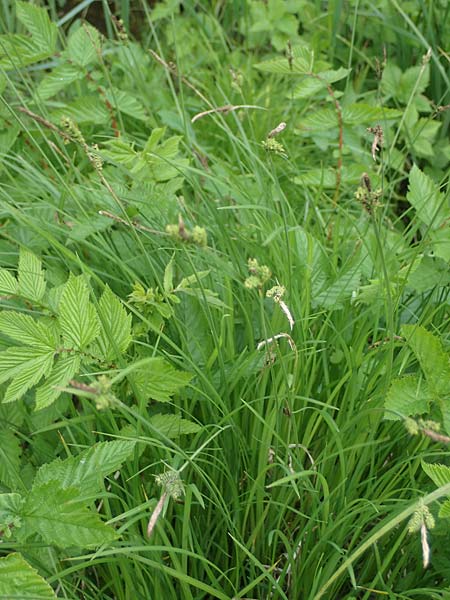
x,y
115,330
19,580
38,23
440,240
311,85
61,77
408,396
87,470
444,511
428,202
86,109
28,376
64,369
77,316
84,45
433,360
20,50
172,426
159,380
127,104
413,80
119,152
356,114
23,328
302,63
8,283
440,474
59,518
390,80
168,277
340,291
10,452
31,276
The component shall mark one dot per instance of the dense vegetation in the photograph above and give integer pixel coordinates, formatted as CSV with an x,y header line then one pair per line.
x,y
224,286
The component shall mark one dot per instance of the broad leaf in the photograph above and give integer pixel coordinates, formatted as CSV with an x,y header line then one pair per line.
x,y
23,328
440,474
115,332
59,518
16,360
408,396
428,202
64,369
29,376
83,46
38,23
77,316
31,276
172,426
10,451
8,283
61,77
159,380
88,469
433,360
19,580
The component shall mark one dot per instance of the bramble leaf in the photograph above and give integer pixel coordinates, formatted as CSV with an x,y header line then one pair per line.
x,y
59,518
31,276
77,316
115,326
88,469
18,579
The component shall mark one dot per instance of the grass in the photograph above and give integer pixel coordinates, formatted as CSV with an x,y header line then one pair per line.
x,y
296,486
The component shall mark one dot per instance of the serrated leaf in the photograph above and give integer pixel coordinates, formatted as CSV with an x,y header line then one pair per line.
x,y
172,426
408,396
31,276
64,369
126,103
444,511
433,360
340,291
115,329
440,474
20,50
159,380
8,283
322,119
59,518
360,113
440,240
119,152
428,202
38,23
85,109
87,470
23,328
15,360
61,77
77,316
29,375
19,580
10,452
84,45
302,63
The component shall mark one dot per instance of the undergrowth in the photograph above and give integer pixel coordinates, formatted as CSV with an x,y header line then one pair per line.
x,y
224,284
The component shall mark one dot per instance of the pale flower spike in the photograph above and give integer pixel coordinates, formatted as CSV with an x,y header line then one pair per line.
x,y
278,129
425,546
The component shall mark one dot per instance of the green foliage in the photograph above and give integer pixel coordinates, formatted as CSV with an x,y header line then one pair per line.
x,y
411,395
270,443
19,580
